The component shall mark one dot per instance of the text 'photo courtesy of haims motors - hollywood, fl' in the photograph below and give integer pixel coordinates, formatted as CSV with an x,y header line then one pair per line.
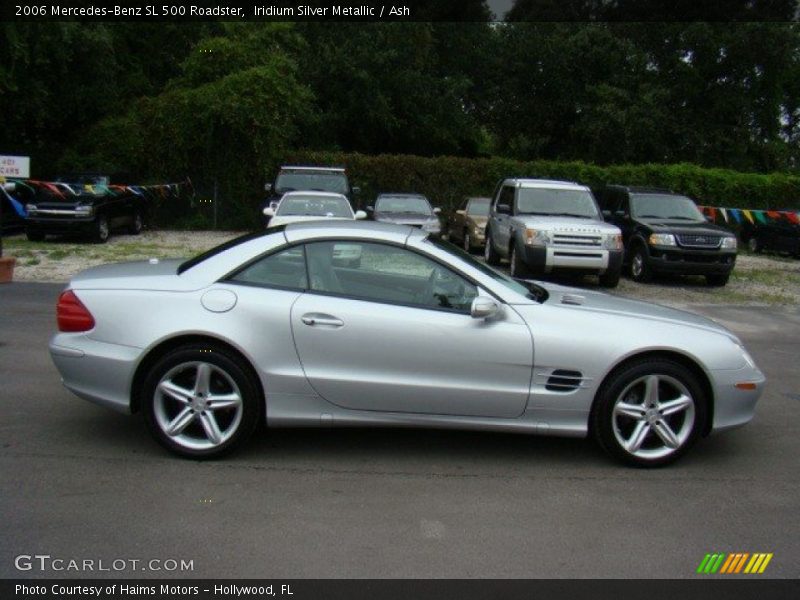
x,y
434,299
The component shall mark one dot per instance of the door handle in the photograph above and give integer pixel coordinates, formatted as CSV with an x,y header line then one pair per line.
x,y
320,319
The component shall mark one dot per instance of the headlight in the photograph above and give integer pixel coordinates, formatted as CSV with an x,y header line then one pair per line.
x,y
84,209
536,237
728,243
612,241
432,226
662,239
31,208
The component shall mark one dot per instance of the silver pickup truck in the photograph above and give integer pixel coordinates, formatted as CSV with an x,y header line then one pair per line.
x,y
543,226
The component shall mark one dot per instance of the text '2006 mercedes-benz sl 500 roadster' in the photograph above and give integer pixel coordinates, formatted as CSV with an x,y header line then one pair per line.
x,y
270,327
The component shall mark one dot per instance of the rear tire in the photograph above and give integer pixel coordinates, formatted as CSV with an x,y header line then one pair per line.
x,y
649,412
490,254
137,224
210,406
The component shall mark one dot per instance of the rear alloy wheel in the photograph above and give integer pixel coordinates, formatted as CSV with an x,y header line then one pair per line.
x,y
101,230
518,267
650,413
137,224
489,253
640,270
199,402
754,245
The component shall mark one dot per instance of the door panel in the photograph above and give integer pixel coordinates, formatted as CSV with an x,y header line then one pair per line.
x,y
392,358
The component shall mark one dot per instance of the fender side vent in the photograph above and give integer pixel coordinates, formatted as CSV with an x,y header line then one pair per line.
x,y
575,300
562,380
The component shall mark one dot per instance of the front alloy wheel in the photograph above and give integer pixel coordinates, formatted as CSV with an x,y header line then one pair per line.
x,y
102,230
640,270
650,413
199,403
467,242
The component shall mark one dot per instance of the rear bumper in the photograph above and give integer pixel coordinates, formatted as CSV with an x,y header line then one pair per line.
x,y
683,262
95,371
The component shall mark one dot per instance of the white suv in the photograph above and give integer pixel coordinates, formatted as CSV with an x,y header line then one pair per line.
x,y
544,226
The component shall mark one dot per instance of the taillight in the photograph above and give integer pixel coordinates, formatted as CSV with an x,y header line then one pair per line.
x,y
71,314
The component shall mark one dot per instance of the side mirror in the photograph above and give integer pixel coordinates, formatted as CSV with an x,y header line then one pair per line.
x,y
483,307
606,214
356,190
267,187
437,210
370,209
268,212
621,214
461,212
360,214
503,209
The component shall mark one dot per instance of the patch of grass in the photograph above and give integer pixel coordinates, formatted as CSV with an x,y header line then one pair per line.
x,y
58,254
767,277
31,262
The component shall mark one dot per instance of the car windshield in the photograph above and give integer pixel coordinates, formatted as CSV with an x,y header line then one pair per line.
x,y
524,288
478,207
417,205
316,206
664,206
556,202
323,181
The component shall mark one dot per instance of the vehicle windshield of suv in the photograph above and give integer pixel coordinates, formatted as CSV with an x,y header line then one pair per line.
x,y
664,206
323,181
417,205
314,206
479,207
555,202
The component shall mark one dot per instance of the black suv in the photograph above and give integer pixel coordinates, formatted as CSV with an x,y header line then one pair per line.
x,y
665,232
83,204
779,234
304,179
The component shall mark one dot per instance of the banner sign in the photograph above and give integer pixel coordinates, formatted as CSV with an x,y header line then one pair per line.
x,y
15,166
745,216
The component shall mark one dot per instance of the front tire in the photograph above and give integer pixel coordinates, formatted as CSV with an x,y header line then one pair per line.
x,y
518,267
610,279
718,280
754,245
137,224
640,270
200,402
489,253
102,231
467,242
649,412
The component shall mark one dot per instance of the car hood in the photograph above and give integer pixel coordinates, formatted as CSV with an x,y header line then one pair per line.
x,y
570,224
581,299
161,275
404,219
677,226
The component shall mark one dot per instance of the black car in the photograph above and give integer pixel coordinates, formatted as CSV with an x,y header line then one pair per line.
x,y
776,235
85,205
306,179
665,232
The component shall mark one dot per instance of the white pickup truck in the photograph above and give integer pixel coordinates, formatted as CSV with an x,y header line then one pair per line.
x,y
543,226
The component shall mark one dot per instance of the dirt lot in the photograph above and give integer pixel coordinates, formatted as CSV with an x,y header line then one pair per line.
x,y
762,279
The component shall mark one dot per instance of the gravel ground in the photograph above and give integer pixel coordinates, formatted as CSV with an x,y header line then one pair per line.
x,y
757,279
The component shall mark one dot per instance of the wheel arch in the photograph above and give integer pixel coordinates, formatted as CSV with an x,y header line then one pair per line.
x,y
687,361
163,347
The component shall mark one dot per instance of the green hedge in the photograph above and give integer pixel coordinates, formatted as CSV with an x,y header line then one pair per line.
x,y
446,179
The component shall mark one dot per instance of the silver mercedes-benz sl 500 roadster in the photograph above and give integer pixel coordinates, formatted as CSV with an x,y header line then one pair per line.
x,y
277,327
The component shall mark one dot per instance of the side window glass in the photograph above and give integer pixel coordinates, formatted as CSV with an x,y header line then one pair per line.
x,y
507,197
384,273
286,269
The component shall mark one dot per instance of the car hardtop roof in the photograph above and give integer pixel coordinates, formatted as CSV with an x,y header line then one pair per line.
x,y
530,182
307,168
315,193
403,195
345,228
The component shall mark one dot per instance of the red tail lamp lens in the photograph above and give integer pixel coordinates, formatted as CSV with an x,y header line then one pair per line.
x,y
71,314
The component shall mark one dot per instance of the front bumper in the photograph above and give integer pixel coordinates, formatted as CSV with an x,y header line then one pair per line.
x,y
550,259
734,407
60,226
96,371
669,259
